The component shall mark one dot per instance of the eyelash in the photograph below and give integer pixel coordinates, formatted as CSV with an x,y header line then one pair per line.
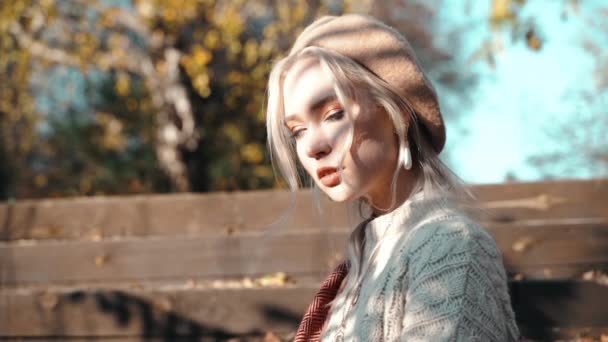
x,y
335,116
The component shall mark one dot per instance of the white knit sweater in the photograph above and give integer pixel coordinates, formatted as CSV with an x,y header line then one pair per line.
x,y
439,276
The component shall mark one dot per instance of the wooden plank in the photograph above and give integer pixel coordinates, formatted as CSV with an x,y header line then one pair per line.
x,y
554,200
162,215
551,310
544,309
164,258
257,337
227,213
219,313
552,251
547,252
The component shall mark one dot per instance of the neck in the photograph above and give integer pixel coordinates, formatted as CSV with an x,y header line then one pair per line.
x,y
382,201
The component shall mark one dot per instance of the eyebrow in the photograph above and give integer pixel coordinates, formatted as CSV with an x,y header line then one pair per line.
x,y
317,104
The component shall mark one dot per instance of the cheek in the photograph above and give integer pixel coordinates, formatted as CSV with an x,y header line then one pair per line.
x,y
374,141
301,153
305,161
374,150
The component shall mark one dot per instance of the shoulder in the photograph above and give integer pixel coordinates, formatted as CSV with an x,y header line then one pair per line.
x,y
452,235
456,275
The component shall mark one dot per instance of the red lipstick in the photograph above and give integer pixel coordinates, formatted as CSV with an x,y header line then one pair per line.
x,y
328,176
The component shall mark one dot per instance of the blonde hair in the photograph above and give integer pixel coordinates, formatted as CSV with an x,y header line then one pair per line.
x,y
435,178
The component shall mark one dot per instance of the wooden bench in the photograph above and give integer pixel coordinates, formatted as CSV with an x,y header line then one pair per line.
x,y
204,266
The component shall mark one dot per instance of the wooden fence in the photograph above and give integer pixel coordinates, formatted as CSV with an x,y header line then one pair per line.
x,y
206,267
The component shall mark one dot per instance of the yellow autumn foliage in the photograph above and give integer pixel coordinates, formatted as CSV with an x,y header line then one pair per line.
x,y
252,153
123,84
233,132
501,10
112,137
225,50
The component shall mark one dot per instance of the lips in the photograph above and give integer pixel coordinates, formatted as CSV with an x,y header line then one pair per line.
x,y
328,176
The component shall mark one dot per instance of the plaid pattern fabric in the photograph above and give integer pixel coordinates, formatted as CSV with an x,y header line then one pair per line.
x,y
314,318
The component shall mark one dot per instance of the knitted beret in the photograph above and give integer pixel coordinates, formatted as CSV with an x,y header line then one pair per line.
x,y
386,53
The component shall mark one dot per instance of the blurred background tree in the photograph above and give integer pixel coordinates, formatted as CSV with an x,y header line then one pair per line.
x,y
139,96
142,96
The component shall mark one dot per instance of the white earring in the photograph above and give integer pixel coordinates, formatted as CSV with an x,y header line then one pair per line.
x,y
406,158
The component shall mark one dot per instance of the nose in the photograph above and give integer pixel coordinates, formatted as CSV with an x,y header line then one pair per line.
x,y
318,145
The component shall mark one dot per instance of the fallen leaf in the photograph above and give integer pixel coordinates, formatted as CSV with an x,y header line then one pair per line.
x,y
96,235
101,260
163,303
275,279
522,244
49,300
271,337
190,284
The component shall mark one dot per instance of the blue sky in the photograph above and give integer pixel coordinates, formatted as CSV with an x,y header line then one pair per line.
x,y
526,93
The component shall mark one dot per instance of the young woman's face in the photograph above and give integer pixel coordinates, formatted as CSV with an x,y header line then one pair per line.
x,y
321,128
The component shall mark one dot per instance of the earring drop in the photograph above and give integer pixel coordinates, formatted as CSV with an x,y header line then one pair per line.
x,y
406,158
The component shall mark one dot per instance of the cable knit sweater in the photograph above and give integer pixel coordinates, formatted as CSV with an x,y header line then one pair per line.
x,y
438,276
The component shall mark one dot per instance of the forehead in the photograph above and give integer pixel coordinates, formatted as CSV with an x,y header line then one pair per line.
x,y
305,84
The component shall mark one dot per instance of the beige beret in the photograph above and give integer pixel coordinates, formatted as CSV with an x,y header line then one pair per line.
x,y
386,53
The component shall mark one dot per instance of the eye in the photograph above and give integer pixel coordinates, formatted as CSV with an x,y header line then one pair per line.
x,y
297,133
335,116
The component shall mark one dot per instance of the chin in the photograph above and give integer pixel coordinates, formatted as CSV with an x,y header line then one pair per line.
x,y
339,193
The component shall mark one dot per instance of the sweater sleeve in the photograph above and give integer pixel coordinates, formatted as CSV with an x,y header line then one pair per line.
x,y
456,286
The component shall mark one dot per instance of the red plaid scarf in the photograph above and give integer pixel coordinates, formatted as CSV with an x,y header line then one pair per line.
x,y
314,318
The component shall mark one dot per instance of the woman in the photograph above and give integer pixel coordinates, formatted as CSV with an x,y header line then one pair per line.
x,y
350,106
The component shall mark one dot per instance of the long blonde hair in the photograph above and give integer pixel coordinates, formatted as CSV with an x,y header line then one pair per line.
x,y
435,178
